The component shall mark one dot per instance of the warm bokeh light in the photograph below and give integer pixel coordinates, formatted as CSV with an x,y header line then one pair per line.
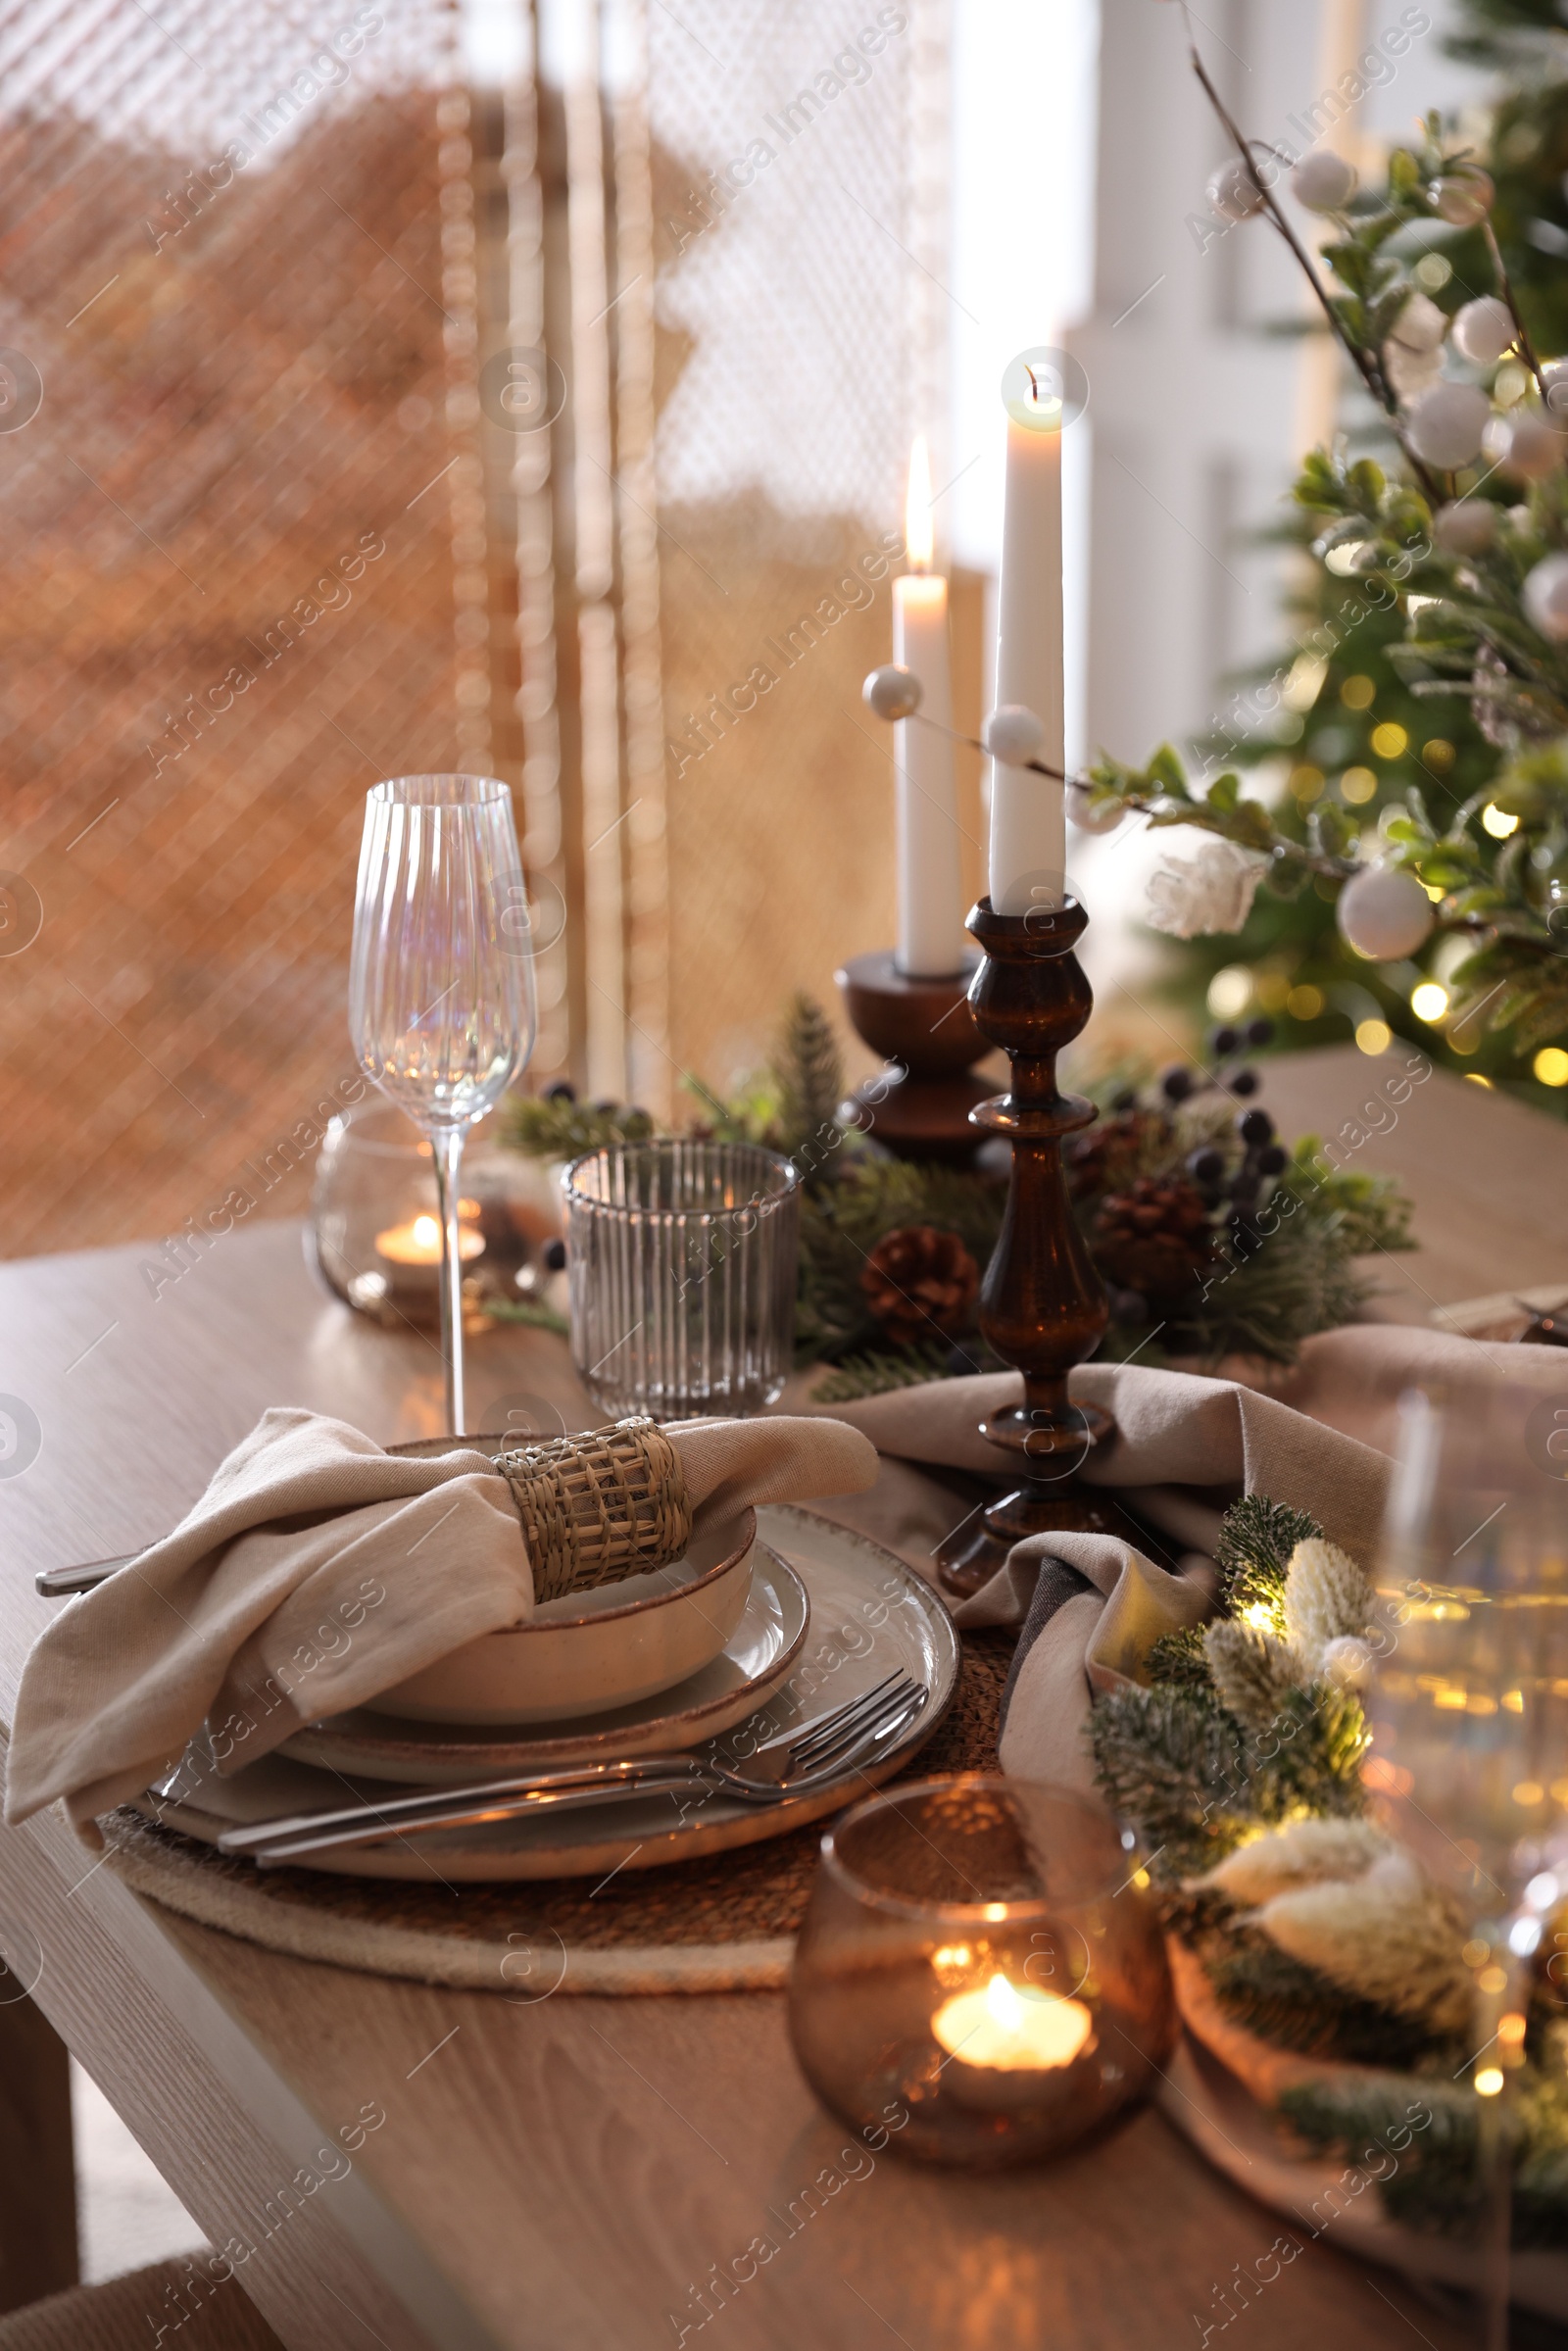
x,y
920,536
1357,784
1551,1065
1438,754
1230,992
1306,781
1305,683
1358,693
1497,821
1373,1036
1389,741
1488,2081
1304,1003
1430,1001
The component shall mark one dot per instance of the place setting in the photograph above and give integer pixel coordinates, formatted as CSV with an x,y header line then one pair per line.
x,y
478,1661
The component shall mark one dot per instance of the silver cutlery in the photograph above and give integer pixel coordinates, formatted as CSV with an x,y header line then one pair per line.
x,y
64,1582
796,1763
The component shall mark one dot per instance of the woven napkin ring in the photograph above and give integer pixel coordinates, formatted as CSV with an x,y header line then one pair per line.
x,y
600,1506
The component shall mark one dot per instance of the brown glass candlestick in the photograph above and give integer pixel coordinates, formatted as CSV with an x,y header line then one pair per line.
x,y
927,1028
1042,1304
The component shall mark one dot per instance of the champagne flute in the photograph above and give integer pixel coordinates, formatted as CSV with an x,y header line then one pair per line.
x,y
441,987
1469,1719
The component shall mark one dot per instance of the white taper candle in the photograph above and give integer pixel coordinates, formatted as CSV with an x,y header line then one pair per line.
x,y
1028,821
930,928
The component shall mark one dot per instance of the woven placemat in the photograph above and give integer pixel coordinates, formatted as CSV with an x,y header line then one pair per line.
x,y
724,1924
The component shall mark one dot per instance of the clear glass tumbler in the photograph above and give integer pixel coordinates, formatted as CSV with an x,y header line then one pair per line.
x,y
980,1977
680,1262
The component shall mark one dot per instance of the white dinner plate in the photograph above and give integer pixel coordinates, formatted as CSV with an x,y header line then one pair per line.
x,y
755,1659
871,1615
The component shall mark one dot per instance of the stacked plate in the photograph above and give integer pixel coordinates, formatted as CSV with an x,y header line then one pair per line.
x,y
771,1622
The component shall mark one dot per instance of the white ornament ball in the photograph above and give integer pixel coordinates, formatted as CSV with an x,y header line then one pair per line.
x,y
1536,448
1420,326
1464,198
1485,329
1014,735
1447,423
1466,526
1554,376
1233,192
1089,819
1385,913
1546,597
892,692
1495,440
1323,181
1347,1662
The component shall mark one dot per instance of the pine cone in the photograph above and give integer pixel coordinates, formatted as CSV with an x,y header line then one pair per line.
x,y
1155,1238
1107,1157
920,1283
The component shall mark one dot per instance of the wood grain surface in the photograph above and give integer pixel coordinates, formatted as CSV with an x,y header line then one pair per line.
x,y
568,2174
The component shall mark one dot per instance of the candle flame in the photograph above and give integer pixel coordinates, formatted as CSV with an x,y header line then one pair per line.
x,y
1003,2003
919,538
426,1231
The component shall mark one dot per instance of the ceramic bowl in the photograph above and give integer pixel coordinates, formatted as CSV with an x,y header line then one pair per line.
x,y
589,1651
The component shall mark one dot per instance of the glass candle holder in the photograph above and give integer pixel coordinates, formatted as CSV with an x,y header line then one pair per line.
x,y
981,1974
374,1230
680,1260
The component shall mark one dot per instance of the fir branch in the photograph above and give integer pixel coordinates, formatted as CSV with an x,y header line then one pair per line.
x,y
534,1313
1180,1661
1293,2006
1252,1553
726,1123
1173,1762
1302,1279
810,1071
879,1375
1432,2125
556,1126
1309,1758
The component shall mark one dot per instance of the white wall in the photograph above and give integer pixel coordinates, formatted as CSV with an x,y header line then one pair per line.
x,y
1082,145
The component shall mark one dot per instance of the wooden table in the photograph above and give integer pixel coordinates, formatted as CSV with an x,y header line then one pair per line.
x,y
564,2176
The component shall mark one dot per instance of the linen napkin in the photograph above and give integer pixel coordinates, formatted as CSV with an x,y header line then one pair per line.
x,y
1090,1606
316,1571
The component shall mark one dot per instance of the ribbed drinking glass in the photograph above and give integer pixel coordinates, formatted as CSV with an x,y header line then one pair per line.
x,y
680,1262
441,991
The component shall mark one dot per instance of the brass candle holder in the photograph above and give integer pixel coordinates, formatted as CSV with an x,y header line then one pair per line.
x,y
1042,1304
926,1028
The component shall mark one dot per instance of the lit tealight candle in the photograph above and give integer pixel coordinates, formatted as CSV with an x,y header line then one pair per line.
x,y
419,1243
997,2033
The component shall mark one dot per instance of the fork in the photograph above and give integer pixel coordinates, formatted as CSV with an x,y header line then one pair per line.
x,y
796,1763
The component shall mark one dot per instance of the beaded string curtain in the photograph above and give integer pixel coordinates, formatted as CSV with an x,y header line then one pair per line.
x,y
240,491
724,230
798,200
272,536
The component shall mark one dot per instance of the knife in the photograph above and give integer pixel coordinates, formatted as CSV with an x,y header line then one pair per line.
x,y
63,1583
